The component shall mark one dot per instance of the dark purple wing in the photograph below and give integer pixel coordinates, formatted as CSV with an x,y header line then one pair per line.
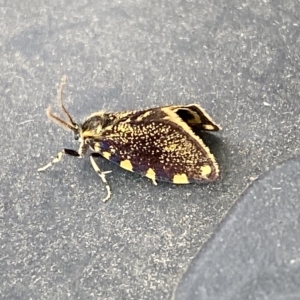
x,y
159,144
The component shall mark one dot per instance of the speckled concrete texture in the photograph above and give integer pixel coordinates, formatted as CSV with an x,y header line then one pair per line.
x,y
238,59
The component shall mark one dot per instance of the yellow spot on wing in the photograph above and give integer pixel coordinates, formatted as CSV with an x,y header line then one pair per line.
x,y
205,170
151,174
97,147
106,155
171,147
208,127
180,179
126,164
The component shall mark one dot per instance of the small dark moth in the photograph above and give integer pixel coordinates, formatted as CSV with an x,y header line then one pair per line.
x,y
159,143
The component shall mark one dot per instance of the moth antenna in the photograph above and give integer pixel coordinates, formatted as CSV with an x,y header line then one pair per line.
x,y
59,121
60,101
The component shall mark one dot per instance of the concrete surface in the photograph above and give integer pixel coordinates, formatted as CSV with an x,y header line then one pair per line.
x,y
238,59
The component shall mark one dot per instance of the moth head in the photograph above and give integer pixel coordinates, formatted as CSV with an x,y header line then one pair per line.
x,y
93,126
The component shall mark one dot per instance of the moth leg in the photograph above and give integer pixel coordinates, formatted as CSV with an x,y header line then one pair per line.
x,y
154,181
101,174
59,157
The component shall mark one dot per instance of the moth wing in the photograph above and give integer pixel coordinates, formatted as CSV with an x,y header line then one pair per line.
x,y
159,144
196,117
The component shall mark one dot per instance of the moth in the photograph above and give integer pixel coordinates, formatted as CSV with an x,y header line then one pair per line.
x,y
160,143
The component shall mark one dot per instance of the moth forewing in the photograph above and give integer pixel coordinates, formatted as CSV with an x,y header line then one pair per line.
x,y
159,143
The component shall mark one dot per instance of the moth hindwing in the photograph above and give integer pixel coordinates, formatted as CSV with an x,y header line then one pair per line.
x,y
159,143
